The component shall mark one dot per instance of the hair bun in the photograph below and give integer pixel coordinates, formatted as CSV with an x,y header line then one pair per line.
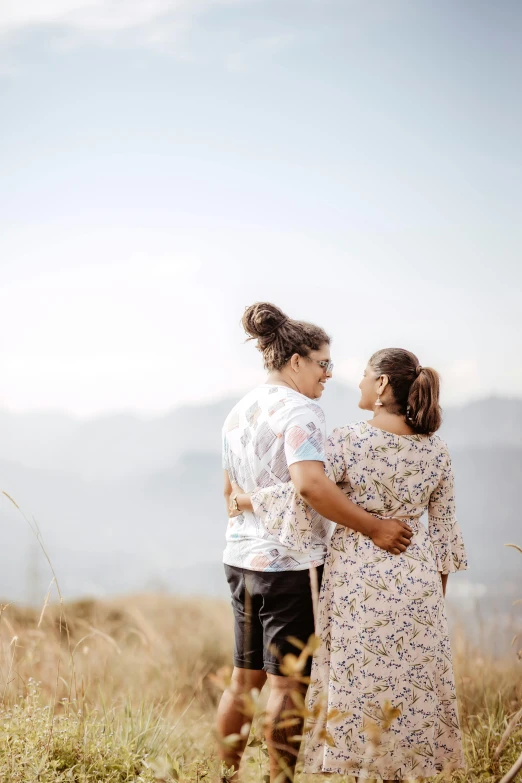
x,y
263,319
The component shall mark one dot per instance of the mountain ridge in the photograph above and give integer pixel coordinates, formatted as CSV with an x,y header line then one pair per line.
x,y
119,445
128,505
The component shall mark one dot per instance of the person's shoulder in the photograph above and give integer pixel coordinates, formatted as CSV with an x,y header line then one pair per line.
x,y
298,404
360,427
246,402
316,409
439,445
353,430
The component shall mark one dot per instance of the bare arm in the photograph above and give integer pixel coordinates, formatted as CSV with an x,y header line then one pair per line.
x,y
316,489
227,489
327,499
311,482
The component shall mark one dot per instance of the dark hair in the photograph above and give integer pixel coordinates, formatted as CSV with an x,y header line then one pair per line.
x,y
279,337
415,388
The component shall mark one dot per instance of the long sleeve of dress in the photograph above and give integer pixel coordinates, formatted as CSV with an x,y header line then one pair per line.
x,y
286,516
443,527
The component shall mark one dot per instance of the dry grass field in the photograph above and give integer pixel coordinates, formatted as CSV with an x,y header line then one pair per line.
x,y
119,690
126,689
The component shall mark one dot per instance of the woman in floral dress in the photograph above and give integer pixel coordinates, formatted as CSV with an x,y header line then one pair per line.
x,y
382,697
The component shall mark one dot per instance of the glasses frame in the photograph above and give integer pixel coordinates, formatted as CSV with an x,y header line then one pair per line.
x,y
326,364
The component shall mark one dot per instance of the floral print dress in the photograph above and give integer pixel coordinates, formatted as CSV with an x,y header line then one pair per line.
x,y
382,694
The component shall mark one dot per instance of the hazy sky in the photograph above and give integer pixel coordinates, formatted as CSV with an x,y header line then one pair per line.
x,y
165,163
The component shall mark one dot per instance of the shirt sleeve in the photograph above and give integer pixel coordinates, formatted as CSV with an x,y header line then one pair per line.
x,y
443,527
304,435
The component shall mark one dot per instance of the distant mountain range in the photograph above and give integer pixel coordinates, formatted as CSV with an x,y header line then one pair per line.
x,y
129,503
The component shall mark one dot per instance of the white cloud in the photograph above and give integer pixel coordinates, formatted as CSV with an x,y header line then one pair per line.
x,y
91,14
159,25
152,20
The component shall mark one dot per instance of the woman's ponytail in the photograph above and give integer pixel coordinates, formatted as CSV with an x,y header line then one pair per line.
x,y
423,411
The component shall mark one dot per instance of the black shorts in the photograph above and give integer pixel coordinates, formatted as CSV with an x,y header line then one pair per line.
x,y
270,606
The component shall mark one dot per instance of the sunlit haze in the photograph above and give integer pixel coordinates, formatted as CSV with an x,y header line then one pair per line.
x,y
356,163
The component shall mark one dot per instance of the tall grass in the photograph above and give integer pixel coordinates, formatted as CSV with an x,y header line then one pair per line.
x,y
126,690
127,696
124,695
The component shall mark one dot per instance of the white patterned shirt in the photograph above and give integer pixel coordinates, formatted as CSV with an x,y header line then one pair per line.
x,y
271,428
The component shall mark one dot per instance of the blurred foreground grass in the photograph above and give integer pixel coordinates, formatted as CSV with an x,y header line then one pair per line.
x,y
121,692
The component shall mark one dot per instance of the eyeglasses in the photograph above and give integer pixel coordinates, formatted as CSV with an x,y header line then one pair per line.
x,y
324,363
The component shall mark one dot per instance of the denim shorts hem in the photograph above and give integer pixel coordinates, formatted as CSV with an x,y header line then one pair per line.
x,y
273,668
241,664
269,668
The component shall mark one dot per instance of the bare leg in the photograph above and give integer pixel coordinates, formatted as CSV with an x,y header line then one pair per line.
x,y
282,749
230,717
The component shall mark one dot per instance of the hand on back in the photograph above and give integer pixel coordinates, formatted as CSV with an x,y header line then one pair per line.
x,y
393,535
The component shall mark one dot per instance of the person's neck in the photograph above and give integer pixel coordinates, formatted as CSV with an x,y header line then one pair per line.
x,y
391,422
280,379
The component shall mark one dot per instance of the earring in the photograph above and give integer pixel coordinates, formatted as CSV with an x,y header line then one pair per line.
x,y
378,402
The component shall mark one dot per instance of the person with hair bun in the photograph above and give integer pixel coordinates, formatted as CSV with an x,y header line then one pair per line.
x,y
382,692
275,434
